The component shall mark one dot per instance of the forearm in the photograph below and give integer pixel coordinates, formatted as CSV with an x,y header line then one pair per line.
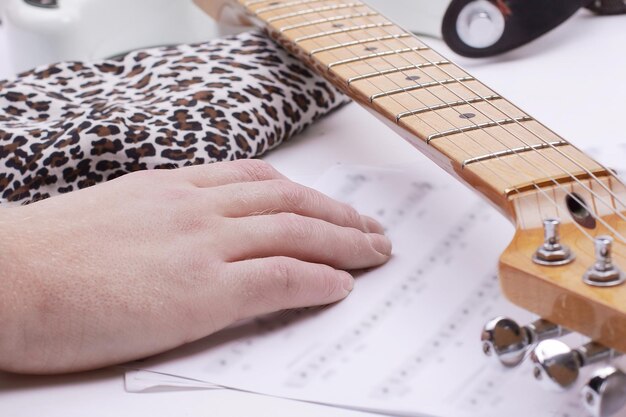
x,y
13,293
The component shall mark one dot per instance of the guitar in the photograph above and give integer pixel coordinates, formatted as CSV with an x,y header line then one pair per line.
x,y
569,210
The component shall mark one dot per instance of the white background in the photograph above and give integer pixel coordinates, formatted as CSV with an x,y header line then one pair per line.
x,y
572,80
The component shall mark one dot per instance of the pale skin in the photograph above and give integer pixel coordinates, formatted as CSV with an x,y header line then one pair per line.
x,y
156,259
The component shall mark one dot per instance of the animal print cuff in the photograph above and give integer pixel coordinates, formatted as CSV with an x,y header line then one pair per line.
x,y
74,124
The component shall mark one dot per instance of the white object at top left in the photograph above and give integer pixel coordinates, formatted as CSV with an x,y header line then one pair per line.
x,y
46,31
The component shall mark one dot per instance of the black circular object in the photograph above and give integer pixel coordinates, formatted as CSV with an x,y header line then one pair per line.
x,y
524,21
46,4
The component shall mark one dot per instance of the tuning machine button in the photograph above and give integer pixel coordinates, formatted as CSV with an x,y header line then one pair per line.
x,y
505,339
552,252
605,393
556,365
603,273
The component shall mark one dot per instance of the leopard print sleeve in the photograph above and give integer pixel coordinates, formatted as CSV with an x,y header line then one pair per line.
x,y
71,125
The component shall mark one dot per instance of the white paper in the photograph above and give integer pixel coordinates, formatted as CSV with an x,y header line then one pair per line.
x,y
406,341
146,381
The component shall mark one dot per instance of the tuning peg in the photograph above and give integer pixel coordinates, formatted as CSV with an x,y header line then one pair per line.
x,y
556,365
603,273
509,341
605,393
552,252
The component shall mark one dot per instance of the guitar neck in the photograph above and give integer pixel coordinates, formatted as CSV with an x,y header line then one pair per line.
x,y
461,124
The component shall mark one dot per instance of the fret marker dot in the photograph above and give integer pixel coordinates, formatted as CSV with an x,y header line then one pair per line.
x,y
371,48
467,115
413,78
338,25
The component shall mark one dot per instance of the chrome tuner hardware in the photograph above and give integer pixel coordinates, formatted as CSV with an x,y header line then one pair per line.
x,y
509,342
552,253
605,393
603,273
556,365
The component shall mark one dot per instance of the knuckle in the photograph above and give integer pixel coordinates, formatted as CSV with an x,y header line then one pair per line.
x,y
256,169
357,243
294,228
284,277
330,282
352,217
292,195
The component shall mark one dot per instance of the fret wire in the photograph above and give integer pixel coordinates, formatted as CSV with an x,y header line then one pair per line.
x,y
358,42
395,70
514,120
389,24
283,5
343,30
418,87
477,126
376,55
556,164
315,10
586,170
445,105
554,181
326,20
512,151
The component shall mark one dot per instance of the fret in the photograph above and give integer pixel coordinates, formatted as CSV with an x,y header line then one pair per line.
x,y
373,56
480,126
358,42
376,55
436,95
314,10
518,173
445,106
514,151
342,30
396,70
326,20
418,87
284,5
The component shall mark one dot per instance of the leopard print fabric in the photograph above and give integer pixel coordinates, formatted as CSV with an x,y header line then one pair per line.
x,y
71,125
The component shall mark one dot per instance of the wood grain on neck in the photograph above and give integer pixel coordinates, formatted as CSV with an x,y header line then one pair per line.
x,y
464,126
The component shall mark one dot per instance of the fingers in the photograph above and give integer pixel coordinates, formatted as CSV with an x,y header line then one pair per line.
x,y
284,196
221,173
304,238
277,283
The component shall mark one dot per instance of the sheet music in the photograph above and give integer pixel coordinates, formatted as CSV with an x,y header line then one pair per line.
x,y
406,341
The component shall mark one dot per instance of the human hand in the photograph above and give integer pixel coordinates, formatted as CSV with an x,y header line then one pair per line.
x,y
157,259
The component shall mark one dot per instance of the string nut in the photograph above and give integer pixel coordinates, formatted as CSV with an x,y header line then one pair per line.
x,y
604,273
552,252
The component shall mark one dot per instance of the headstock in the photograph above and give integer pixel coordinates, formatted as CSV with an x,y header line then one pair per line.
x,y
565,265
581,287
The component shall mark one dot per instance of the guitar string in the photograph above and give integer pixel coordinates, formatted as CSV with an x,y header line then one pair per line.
x,y
532,148
554,202
535,185
523,126
517,122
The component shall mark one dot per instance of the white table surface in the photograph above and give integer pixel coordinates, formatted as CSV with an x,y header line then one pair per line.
x,y
572,80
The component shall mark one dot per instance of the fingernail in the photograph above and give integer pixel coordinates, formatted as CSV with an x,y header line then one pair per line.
x,y
348,282
380,243
372,226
